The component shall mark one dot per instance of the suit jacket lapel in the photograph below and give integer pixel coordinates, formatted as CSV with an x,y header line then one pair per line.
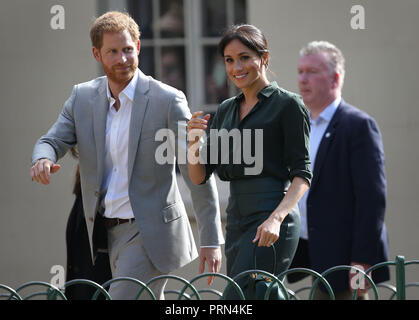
x,y
100,105
325,144
137,117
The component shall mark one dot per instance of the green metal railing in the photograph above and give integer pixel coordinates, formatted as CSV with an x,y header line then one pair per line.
x,y
51,292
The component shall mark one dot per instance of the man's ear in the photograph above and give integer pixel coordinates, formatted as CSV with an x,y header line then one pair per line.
x,y
96,54
336,80
138,46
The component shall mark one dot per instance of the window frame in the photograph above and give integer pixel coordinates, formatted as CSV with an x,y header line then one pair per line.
x,y
193,42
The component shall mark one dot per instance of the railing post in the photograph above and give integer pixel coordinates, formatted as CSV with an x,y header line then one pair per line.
x,y
400,278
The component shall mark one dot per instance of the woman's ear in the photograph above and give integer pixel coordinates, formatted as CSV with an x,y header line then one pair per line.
x,y
265,59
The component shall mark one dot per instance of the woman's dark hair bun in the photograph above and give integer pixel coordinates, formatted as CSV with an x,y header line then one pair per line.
x,y
248,34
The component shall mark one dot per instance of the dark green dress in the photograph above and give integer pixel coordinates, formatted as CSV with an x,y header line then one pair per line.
x,y
284,122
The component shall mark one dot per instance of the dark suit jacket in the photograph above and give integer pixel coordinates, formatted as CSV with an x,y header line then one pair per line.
x,y
347,198
79,261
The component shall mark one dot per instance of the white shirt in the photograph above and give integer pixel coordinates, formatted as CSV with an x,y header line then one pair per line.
x,y
115,182
318,128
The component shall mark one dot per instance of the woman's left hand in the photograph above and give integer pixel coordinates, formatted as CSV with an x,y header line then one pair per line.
x,y
268,232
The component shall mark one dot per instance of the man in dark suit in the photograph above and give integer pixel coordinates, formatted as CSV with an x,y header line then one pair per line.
x,y
343,212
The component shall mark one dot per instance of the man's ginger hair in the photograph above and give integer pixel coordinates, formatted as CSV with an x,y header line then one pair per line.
x,y
113,21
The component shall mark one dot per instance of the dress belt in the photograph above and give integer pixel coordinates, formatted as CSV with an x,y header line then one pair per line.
x,y
112,222
258,185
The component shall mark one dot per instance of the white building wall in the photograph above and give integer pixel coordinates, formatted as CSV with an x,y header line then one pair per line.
x,y
39,66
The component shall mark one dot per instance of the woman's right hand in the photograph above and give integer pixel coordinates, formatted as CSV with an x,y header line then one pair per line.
x,y
197,126
196,129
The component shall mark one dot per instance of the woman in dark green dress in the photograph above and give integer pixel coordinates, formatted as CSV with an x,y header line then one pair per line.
x,y
266,157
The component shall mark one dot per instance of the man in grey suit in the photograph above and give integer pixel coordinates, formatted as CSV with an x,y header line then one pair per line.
x,y
130,198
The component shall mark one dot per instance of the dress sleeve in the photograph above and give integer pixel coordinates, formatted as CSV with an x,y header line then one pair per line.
x,y
295,126
205,155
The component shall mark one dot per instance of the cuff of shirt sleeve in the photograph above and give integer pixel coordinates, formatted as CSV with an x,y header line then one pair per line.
x,y
307,175
208,173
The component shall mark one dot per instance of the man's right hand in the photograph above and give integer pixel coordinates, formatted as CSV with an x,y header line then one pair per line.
x,y
41,171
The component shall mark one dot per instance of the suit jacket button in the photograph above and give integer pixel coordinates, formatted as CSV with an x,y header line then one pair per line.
x,y
96,194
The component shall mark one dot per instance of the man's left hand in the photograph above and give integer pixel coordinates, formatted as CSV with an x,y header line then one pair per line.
x,y
213,258
354,277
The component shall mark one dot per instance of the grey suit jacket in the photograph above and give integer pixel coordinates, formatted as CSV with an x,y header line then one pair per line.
x,y
153,192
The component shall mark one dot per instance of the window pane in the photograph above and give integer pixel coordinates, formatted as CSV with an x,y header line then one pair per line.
x,y
214,18
216,89
170,22
239,11
146,61
173,67
141,12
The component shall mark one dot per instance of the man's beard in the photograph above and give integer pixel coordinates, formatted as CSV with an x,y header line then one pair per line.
x,y
120,77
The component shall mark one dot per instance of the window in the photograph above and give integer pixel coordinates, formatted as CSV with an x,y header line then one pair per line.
x,y
179,44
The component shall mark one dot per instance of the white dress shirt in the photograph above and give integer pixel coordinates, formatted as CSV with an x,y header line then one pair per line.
x,y
115,182
317,131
